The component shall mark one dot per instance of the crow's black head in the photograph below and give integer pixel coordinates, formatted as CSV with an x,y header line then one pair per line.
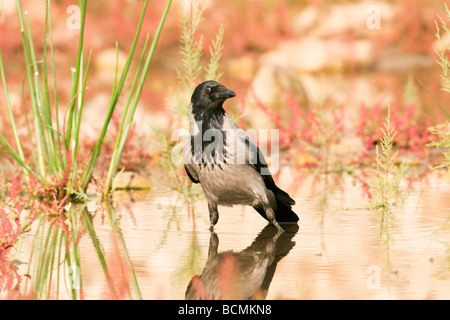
x,y
210,95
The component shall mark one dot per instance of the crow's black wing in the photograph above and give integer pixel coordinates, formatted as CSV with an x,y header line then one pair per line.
x,y
255,158
192,174
188,160
283,211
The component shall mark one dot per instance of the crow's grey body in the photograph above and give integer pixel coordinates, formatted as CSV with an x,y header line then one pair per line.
x,y
222,179
226,162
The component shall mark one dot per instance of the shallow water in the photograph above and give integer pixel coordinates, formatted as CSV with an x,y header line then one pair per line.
x,y
341,250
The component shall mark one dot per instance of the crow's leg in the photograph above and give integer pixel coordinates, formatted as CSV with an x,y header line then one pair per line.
x,y
271,217
213,215
213,245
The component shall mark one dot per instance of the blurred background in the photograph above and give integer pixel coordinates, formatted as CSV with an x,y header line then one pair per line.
x,y
335,65
319,51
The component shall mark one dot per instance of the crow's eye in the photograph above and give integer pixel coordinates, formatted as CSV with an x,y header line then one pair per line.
x,y
208,89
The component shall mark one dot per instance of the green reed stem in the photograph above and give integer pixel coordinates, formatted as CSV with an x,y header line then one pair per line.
x,y
77,121
113,102
122,138
115,159
30,76
48,139
78,67
56,155
43,106
19,155
10,111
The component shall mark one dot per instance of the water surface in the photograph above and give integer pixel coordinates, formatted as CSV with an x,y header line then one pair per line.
x,y
339,250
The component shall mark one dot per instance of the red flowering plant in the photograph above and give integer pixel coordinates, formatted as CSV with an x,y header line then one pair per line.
x,y
10,214
11,227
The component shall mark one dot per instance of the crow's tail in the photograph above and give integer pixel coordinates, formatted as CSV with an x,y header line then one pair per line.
x,y
283,212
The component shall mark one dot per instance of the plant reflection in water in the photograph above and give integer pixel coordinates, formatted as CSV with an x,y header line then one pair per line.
x,y
54,269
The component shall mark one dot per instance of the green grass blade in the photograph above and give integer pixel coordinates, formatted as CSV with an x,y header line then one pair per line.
x,y
43,108
137,95
114,98
83,4
5,144
55,90
116,72
30,76
77,124
56,150
115,159
10,111
25,113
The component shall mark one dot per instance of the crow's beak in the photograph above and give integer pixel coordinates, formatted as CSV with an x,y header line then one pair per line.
x,y
226,94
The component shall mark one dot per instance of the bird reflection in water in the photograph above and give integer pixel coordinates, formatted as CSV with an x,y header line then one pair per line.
x,y
242,275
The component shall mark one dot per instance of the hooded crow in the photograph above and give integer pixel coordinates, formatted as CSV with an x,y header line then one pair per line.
x,y
226,162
